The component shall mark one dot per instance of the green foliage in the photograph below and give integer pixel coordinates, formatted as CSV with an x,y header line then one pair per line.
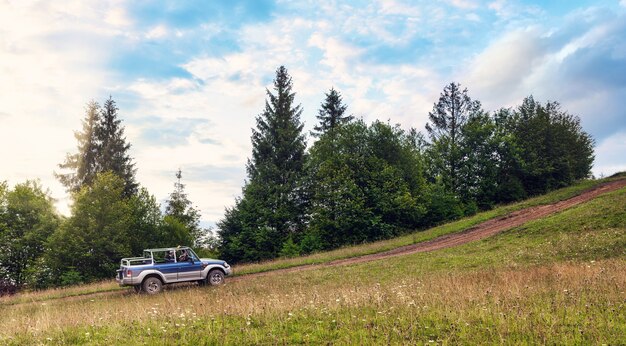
x,y
102,147
174,232
84,163
553,149
273,201
113,149
289,249
331,114
478,170
310,243
146,222
97,234
556,280
445,129
442,205
71,277
27,218
180,208
365,184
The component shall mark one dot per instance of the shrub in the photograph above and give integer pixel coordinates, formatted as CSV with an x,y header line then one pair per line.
x,y
7,287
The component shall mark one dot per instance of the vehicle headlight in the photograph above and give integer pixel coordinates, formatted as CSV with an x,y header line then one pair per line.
x,y
226,265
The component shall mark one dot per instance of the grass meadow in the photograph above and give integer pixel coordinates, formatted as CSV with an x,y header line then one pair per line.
x,y
557,280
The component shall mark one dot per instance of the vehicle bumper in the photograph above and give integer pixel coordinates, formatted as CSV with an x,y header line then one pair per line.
x,y
125,281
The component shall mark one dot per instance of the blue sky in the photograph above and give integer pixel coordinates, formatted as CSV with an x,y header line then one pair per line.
x,y
190,76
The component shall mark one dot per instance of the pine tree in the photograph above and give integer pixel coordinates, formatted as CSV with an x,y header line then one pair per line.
x,y
101,147
181,208
331,115
113,149
272,206
83,163
447,118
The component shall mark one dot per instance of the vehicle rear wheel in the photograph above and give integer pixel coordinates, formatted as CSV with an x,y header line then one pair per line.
x,y
152,285
215,277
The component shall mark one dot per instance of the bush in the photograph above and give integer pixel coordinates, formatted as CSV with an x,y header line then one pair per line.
x,y
71,277
290,249
310,243
7,287
442,206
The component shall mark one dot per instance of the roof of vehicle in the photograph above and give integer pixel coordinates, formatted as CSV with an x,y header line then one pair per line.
x,y
170,248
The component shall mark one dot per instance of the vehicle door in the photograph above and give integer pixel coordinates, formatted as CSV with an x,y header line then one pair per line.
x,y
166,264
189,266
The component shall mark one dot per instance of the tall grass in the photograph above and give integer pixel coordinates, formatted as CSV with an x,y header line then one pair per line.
x,y
558,280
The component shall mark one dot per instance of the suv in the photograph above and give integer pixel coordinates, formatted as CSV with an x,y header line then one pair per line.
x,y
169,265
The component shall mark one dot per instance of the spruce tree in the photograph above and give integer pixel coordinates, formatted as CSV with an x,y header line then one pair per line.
x,y
83,164
181,208
113,149
101,147
271,209
331,114
447,119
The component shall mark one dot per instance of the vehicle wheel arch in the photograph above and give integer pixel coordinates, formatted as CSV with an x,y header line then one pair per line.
x,y
152,276
213,270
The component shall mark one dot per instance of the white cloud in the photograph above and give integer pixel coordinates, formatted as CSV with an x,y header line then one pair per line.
x,y
48,69
610,157
497,5
338,56
473,17
464,4
118,17
157,32
394,7
47,51
500,72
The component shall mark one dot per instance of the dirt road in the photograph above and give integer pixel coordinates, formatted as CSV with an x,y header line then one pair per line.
x,y
478,232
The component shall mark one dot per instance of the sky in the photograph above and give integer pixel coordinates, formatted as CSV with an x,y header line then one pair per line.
x,y
189,77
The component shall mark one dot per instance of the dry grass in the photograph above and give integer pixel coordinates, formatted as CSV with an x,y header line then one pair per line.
x,y
559,280
61,292
504,299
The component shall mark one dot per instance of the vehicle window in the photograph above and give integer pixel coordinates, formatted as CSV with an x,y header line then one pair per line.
x,y
183,255
159,256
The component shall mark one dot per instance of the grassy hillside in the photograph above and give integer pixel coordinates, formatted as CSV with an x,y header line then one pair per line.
x,y
557,280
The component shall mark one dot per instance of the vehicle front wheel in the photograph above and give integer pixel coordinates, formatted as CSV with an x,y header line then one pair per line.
x,y
215,277
152,285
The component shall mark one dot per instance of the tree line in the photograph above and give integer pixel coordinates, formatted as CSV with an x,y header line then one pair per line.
x,y
364,182
356,183
112,216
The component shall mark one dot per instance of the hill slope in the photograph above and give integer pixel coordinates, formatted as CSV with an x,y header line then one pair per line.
x,y
557,279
